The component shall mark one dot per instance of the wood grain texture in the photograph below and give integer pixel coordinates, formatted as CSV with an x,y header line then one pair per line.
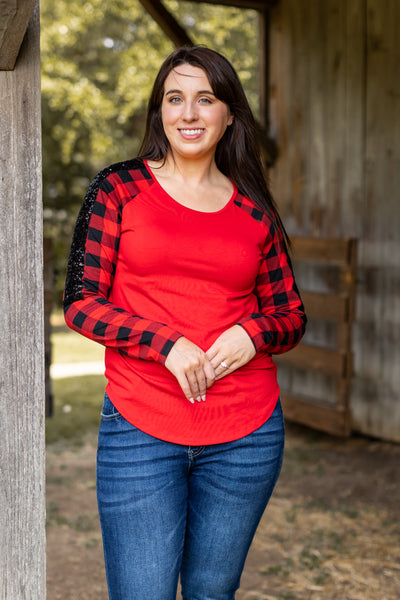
x,y
319,415
326,306
376,395
48,285
329,362
256,4
14,19
22,466
334,110
8,10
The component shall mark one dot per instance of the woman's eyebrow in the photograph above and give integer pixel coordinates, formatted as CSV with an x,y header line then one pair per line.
x,y
209,92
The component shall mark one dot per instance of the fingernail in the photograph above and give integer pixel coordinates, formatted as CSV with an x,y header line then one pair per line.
x,y
198,399
203,397
191,400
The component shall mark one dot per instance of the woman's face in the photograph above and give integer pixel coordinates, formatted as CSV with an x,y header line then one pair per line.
x,y
194,120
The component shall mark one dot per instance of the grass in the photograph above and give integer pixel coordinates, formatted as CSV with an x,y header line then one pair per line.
x,y
77,404
71,347
68,346
84,522
77,401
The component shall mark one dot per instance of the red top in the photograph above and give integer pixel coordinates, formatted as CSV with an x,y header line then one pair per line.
x,y
145,270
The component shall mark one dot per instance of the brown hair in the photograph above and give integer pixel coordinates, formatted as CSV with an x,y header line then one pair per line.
x,y
238,153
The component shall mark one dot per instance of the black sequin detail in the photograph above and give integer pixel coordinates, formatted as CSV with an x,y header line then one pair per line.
x,y
76,261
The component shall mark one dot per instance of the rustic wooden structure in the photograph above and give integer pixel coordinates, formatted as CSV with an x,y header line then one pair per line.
x,y
335,106
22,450
331,356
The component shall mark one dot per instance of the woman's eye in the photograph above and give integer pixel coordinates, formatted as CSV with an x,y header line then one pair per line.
x,y
174,100
205,101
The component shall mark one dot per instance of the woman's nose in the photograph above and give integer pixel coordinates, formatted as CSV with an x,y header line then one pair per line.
x,y
190,112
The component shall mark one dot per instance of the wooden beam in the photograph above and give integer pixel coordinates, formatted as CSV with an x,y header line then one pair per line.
x,y
329,307
269,149
14,19
167,22
313,358
323,250
263,57
22,447
255,4
318,415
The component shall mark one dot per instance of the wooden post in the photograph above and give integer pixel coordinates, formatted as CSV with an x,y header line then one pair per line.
x,y
22,448
48,283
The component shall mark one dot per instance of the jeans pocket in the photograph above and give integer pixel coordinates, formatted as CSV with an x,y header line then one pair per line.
x,y
109,412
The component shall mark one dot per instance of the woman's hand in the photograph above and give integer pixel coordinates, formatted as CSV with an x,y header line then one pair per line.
x,y
192,369
231,350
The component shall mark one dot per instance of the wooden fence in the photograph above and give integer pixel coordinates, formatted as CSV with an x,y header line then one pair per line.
x,y
332,311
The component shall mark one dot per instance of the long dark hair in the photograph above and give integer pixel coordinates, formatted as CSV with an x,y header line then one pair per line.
x,y
238,153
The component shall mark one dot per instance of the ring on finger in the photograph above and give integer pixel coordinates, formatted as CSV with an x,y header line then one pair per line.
x,y
224,364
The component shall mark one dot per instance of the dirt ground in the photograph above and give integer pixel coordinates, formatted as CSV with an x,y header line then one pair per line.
x,y
331,530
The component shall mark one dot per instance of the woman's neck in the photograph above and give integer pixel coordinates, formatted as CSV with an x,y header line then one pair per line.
x,y
189,171
195,184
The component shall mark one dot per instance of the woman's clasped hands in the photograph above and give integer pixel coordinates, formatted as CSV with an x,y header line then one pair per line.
x,y
196,370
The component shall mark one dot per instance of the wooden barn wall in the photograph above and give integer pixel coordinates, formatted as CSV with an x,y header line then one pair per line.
x,y
335,113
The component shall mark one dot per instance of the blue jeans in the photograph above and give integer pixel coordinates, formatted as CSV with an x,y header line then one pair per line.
x,y
168,510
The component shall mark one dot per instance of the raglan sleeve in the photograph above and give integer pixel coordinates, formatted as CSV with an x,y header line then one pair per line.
x,y
280,323
90,273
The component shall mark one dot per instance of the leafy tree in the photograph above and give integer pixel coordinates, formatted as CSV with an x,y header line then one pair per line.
x,y
99,60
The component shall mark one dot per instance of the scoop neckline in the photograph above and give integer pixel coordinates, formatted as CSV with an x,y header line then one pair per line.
x,y
194,210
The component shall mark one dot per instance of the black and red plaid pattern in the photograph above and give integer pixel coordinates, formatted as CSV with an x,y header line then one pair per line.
x,y
92,265
281,322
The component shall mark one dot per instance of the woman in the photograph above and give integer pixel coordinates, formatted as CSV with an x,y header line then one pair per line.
x,y
179,267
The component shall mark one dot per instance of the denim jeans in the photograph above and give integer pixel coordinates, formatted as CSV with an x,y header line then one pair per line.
x,y
168,510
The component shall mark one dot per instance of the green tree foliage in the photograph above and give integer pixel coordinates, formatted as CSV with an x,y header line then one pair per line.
x,y
99,60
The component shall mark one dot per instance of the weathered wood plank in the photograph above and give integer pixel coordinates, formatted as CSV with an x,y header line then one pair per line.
x,y
326,306
8,10
350,203
320,415
48,285
343,336
317,113
335,105
375,395
22,450
321,250
313,358
256,4
268,145
14,19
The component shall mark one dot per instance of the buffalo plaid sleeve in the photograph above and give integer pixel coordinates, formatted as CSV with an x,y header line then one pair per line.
x,y
90,274
280,322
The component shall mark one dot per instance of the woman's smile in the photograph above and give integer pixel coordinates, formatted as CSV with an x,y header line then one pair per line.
x,y
191,133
